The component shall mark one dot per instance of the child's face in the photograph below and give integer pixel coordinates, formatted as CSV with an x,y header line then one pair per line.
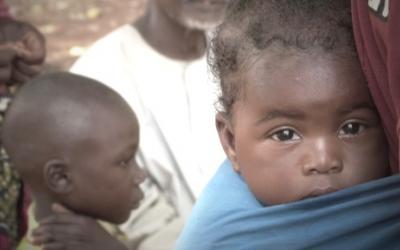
x,y
106,177
306,128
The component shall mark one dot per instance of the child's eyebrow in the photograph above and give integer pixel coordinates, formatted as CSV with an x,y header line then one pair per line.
x,y
131,146
280,113
128,149
357,106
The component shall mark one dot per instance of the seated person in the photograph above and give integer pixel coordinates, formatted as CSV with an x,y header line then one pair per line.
x,y
303,139
77,150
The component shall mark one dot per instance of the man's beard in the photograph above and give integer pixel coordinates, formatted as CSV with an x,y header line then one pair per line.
x,y
201,25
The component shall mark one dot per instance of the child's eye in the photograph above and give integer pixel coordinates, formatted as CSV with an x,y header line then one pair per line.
x,y
285,135
351,129
127,162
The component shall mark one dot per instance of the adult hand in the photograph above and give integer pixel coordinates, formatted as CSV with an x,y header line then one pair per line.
x,y
28,51
7,55
69,231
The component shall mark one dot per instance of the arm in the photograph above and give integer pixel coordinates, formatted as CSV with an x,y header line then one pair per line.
x,y
4,9
69,231
22,51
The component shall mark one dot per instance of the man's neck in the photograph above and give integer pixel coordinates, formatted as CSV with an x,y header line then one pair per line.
x,y
169,37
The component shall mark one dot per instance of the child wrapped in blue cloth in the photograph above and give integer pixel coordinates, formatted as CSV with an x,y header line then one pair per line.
x,y
307,155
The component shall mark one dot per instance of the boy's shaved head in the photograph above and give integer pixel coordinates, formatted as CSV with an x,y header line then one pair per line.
x,y
73,140
49,114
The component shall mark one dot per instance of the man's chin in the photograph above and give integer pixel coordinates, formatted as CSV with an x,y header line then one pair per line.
x,y
201,25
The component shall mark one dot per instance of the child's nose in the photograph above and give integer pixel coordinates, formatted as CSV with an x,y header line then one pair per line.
x,y
322,158
139,175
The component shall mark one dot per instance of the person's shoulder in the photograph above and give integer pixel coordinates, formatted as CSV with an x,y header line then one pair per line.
x,y
127,32
106,53
113,40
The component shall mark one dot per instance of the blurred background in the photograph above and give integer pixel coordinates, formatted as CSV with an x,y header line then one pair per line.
x,y
70,26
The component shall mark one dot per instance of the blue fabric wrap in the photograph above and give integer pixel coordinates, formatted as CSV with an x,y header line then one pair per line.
x,y
227,216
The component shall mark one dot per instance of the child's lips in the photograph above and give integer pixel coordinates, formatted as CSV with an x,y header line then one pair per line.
x,y
137,198
136,204
320,191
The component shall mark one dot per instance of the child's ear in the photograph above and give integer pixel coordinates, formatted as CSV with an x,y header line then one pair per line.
x,y
57,176
227,138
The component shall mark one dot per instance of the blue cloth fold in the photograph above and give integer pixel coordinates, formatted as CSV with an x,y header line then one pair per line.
x,y
228,216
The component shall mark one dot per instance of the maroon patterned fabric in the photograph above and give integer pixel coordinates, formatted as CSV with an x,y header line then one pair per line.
x,y
377,34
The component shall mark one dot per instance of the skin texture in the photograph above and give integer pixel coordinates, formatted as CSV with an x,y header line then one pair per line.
x,y
79,151
22,52
105,181
103,168
176,28
67,230
304,127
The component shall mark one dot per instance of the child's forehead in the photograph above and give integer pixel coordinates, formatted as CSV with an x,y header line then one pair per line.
x,y
312,71
85,119
283,63
117,116
109,134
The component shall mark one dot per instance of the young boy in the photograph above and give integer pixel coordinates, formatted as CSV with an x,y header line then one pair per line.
x,y
73,141
296,122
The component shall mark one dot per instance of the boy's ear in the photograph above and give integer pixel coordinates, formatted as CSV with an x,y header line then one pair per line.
x,y
227,138
57,176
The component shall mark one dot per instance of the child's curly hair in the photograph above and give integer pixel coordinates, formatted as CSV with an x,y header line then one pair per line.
x,y
252,26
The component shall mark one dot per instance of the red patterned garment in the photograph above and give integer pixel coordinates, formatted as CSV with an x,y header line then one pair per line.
x,y
13,201
377,34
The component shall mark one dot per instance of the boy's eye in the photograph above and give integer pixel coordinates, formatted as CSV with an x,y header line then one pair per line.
x,y
351,129
285,135
127,162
